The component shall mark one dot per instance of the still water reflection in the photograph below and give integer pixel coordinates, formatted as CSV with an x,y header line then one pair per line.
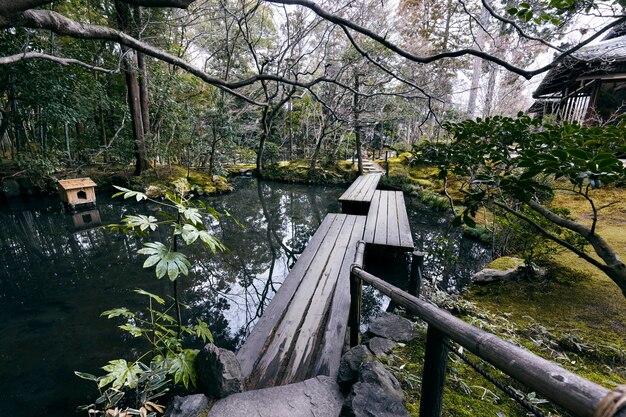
x,y
58,273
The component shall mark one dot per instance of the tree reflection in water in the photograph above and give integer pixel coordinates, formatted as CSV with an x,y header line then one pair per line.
x,y
55,281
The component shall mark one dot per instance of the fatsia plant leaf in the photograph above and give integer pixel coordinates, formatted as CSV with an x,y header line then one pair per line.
x,y
116,312
130,193
182,367
120,373
167,262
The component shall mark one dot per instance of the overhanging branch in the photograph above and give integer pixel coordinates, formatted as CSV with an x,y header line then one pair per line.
x,y
12,59
340,21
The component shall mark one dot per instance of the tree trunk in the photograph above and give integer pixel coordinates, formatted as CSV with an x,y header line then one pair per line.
x,y
143,92
357,125
264,135
491,86
613,266
132,85
134,95
479,43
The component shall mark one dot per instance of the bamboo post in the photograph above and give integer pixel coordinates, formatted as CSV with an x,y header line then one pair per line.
x,y
434,373
415,277
356,289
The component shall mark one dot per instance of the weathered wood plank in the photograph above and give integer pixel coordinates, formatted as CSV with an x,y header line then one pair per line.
x,y
310,335
329,357
393,233
372,218
273,360
355,186
372,187
249,353
364,186
380,235
362,189
406,237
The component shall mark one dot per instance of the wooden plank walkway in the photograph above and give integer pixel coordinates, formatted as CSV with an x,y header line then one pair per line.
x,y
302,332
357,198
388,222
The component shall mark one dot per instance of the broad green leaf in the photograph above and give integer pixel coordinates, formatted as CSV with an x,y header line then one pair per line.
x,y
202,331
190,213
141,221
132,329
130,193
85,375
189,233
120,373
116,312
149,294
182,367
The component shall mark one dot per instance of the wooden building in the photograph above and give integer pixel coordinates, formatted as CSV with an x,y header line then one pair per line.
x,y
589,87
77,192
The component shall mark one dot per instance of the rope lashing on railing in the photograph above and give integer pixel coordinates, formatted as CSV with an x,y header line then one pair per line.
x,y
504,388
612,403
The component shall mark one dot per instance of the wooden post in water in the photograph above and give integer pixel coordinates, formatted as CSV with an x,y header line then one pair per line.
x,y
415,277
434,373
354,319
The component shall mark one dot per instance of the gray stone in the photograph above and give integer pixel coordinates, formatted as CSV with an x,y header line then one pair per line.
x,y
512,270
11,188
381,346
391,326
350,364
219,373
318,397
377,394
189,406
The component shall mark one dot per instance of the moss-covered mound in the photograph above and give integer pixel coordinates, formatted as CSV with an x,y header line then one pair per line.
x,y
300,172
156,182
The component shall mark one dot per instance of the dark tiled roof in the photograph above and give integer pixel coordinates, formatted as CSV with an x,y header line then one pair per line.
x,y
606,57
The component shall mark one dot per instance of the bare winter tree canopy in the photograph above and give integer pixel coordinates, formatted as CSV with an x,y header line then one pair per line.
x,y
38,14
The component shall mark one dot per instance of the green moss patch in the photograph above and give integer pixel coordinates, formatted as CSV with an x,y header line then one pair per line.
x,y
505,262
299,171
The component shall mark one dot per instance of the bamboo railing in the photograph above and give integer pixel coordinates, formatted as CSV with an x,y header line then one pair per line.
x,y
568,390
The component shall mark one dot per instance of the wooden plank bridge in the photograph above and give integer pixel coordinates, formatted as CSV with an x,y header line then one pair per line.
x,y
302,332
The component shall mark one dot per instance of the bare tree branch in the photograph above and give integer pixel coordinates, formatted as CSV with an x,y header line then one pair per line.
x,y
521,32
11,59
59,24
338,20
11,7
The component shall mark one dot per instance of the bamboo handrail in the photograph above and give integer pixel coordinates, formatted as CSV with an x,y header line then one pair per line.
x,y
560,386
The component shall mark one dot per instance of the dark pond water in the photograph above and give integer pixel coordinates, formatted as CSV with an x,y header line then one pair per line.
x,y
56,279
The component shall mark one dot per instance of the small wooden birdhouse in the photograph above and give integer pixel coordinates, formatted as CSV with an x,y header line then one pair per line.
x,y
77,192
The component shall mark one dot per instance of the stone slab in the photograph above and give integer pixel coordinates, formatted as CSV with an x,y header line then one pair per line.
x,y
319,396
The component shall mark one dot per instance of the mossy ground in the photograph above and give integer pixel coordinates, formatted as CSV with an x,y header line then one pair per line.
x,y
187,181
298,171
576,316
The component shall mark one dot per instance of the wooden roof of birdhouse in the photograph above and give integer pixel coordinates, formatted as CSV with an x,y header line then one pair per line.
x,y
76,183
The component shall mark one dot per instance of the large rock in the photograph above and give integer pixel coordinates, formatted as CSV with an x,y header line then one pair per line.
x,y
318,397
377,394
10,188
380,346
505,268
350,364
219,373
189,406
391,326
